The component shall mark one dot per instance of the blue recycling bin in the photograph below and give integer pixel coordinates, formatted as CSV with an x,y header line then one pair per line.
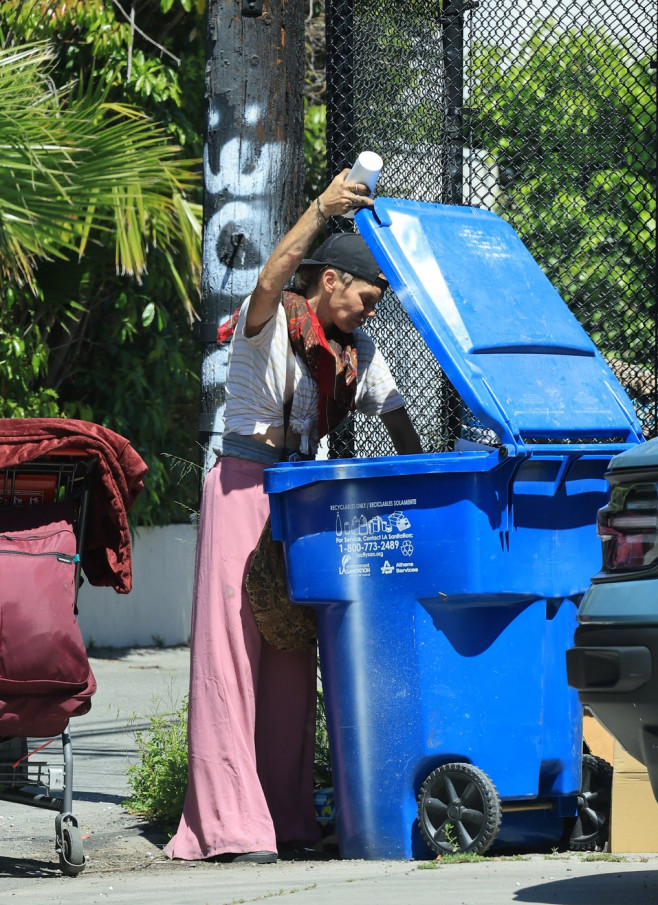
x,y
446,585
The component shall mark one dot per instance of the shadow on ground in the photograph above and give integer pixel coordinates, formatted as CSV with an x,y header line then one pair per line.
x,y
638,887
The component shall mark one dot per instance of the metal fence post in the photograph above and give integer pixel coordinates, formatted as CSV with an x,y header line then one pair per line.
x,y
340,85
452,20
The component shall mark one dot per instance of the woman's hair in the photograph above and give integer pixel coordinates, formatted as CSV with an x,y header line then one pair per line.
x,y
307,278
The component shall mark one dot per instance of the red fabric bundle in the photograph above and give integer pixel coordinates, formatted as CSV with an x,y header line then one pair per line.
x,y
118,479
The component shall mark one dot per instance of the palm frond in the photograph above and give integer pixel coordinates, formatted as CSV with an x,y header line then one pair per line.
x,y
75,169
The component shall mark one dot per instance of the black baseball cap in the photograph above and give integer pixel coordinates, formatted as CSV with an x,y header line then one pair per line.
x,y
348,252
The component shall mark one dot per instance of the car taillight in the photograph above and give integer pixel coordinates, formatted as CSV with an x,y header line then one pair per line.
x,y
628,528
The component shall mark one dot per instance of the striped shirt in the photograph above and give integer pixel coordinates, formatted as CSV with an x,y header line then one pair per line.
x,y
263,371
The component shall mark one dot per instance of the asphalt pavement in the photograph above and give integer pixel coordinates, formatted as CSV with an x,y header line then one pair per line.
x,y
124,854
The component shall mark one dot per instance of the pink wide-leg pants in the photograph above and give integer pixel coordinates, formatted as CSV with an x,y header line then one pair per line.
x,y
251,730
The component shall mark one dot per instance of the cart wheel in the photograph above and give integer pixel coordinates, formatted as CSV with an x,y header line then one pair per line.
x,y
71,856
590,830
459,809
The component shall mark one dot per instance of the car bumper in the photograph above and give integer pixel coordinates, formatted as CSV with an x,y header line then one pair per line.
x,y
615,670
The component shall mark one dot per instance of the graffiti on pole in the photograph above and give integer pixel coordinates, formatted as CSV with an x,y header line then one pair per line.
x,y
238,234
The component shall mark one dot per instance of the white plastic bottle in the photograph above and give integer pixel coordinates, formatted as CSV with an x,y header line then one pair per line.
x,y
366,170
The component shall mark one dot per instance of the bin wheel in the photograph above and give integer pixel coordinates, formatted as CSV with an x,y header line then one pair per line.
x,y
71,856
590,830
459,809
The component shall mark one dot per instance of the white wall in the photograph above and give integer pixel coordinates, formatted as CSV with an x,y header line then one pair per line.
x,y
158,609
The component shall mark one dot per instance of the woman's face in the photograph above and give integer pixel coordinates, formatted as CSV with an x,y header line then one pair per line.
x,y
349,306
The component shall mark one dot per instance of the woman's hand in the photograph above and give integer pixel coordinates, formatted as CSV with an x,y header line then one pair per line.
x,y
341,197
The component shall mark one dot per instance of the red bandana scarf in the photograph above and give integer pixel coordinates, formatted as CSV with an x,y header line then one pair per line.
x,y
331,360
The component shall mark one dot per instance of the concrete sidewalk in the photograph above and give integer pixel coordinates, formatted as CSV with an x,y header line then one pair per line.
x,y
125,862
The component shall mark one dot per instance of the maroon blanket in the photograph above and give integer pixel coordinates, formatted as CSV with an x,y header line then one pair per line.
x,y
118,480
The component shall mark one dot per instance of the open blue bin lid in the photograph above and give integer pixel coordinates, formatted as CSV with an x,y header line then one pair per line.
x,y
505,339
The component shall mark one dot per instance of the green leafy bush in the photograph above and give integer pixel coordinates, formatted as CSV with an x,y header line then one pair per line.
x,y
159,779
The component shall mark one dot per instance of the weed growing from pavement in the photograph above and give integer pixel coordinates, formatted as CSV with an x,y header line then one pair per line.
x,y
159,779
450,835
467,858
555,855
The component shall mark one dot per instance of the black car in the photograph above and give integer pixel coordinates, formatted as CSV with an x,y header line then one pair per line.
x,y
614,664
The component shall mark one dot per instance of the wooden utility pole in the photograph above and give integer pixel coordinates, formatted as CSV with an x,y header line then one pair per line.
x,y
253,167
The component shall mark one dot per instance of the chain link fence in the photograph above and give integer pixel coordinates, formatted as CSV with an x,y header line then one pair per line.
x,y
543,111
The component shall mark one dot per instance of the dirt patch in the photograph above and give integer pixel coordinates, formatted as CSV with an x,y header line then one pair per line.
x,y
112,840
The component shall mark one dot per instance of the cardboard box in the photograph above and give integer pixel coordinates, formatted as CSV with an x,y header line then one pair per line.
x,y
597,738
634,814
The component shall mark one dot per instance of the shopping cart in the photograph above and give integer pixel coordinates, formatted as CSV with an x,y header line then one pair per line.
x,y
45,676
66,486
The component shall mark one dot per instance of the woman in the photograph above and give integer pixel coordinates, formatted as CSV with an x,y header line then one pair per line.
x,y
297,365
